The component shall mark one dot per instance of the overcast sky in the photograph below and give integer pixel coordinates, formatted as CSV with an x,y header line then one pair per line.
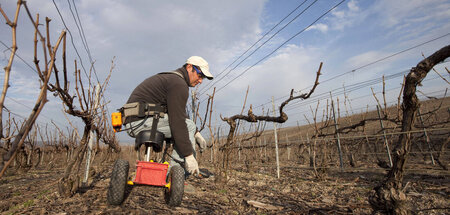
x,y
358,42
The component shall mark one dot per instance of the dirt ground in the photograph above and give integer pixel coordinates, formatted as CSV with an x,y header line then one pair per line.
x,y
254,190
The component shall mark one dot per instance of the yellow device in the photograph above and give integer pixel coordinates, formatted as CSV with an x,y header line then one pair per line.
x,y
116,120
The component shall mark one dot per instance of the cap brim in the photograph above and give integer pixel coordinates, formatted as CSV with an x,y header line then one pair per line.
x,y
206,72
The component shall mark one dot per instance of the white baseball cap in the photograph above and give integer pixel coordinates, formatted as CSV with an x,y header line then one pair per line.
x,y
200,62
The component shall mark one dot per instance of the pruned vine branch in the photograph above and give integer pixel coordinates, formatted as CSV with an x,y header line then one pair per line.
x,y
251,117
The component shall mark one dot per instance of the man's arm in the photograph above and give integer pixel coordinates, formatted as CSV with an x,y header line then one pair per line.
x,y
177,96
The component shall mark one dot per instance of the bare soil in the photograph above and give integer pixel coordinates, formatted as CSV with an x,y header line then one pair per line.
x,y
253,186
250,190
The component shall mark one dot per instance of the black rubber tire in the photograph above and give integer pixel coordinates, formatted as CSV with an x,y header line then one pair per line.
x,y
174,194
118,183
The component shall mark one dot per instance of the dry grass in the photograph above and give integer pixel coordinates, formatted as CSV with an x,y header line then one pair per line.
x,y
252,181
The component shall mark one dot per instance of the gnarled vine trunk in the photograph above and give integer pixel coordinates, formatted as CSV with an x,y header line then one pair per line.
x,y
388,197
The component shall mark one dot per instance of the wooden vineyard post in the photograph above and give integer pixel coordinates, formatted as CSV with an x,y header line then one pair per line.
x,y
91,137
211,159
338,141
311,152
260,148
426,136
239,150
288,148
265,148
276,140
302,142
385,138
214,146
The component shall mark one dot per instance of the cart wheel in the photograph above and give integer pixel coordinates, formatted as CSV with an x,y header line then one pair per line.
x,y
117,185
174,194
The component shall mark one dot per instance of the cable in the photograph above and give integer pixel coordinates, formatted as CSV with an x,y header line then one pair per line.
x,y
17,55
79,30
368,64
371,107
88,51
83,41
281,45
326,95
258,41
71,38
14,113
364,96
82,30
343,89
31,109
83,36
36,123
349,88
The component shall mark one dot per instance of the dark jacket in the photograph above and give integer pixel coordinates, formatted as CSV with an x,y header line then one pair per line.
x,y
172,91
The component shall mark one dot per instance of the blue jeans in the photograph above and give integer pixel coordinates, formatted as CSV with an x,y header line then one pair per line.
x,y
163,126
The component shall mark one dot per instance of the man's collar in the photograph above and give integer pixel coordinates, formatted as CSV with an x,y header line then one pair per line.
x,y
185,74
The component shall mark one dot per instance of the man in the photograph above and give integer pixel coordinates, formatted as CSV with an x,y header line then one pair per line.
x,y
171,89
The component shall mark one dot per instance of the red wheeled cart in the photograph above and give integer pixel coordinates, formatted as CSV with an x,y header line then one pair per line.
x,y
148,173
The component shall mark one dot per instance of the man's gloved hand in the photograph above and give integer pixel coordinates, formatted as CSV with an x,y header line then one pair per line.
x,y
191,165
200,141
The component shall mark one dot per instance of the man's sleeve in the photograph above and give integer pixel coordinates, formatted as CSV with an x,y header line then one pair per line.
x,y
177,96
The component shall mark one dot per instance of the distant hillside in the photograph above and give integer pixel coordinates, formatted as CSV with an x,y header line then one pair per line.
x,y
371,127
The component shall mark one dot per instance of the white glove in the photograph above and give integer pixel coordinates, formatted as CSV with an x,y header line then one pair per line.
x,y
191,165
200,141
